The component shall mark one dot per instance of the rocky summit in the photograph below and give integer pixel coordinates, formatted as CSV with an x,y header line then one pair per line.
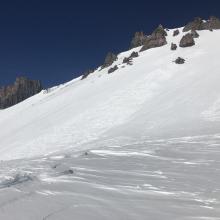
x,y
138,40
22,89
156,39
199,24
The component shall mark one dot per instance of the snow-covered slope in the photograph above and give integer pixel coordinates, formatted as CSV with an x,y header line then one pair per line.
x,y
140,143
152,98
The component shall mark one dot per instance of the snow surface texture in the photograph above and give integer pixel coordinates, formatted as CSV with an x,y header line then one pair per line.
x,y
165,179
140,143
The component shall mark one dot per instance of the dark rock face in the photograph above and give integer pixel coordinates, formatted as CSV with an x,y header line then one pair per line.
x,y
86,74
159,32
138,40
199,24
213,23
196,24
156,39
109,60
176,32
179,60
113,69
194,34
22,89
134,54
187,41
128,60
173,46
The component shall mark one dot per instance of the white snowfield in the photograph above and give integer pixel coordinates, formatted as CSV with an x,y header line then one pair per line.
x,y
140,143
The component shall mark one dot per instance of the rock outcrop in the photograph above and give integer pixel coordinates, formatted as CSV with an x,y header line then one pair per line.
x,y
194,34
176,32
109,60
156,39
213,23
128,60
187,41
138,40
159,32
86,74
173,46
134,54
113,69
179,60
198,24
22,89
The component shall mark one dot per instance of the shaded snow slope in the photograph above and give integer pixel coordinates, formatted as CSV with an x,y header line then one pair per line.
x,y
152,98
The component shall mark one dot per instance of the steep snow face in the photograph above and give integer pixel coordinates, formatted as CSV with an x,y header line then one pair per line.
x,y
153,98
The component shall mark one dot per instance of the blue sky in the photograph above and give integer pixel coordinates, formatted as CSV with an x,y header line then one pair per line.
x,y
55,41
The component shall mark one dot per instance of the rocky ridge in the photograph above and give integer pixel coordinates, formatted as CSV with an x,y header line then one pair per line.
x,y
158,38
22,89
198,24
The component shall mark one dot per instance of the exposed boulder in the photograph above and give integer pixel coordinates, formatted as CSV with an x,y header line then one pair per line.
x,y
109,60
173,46
63,169
86,74
134,54
176,32
67,172
128,60
138,40
179,60
113,69
86,153
187,41
194,34
156,39
22,89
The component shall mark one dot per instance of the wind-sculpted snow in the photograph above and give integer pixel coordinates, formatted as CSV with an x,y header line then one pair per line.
x,y
164,179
